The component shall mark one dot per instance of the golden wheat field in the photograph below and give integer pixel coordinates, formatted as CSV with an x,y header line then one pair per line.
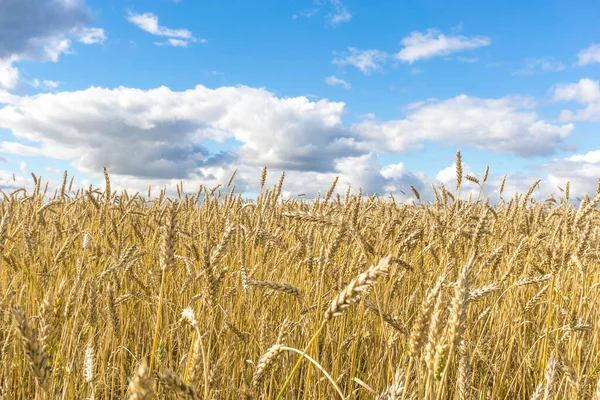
x,y
110,295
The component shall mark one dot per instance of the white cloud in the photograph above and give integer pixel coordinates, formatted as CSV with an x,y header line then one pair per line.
x,y
582,170
589,55
10,181
339,14
545,64
149,22
31,26
48,84
418,46
158,136
174,43
46,49
40,30
159,132
586,92
9,75
333,80
447,176
91,35
515,183
365,60
366,171
8,98
23,150
399,180
23,167
356,172
591,157
493,124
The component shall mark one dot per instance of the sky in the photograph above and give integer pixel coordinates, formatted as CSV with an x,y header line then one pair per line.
x,y
381,94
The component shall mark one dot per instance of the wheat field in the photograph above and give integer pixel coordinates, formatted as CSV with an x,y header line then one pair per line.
x,y
114,295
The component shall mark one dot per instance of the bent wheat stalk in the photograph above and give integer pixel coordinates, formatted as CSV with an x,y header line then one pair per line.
x,y
345,299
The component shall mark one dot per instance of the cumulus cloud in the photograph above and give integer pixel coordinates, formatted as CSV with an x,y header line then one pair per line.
x,y
585,92
503,125
8,98
365,60
582,170
589,55
363,171
514,183
398,180
159,136
333,81
366,172
29,26
10,181
157,133
447,176
421,46
40,30
149,22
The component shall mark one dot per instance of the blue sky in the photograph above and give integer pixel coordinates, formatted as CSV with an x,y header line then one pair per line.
x,y
380,93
